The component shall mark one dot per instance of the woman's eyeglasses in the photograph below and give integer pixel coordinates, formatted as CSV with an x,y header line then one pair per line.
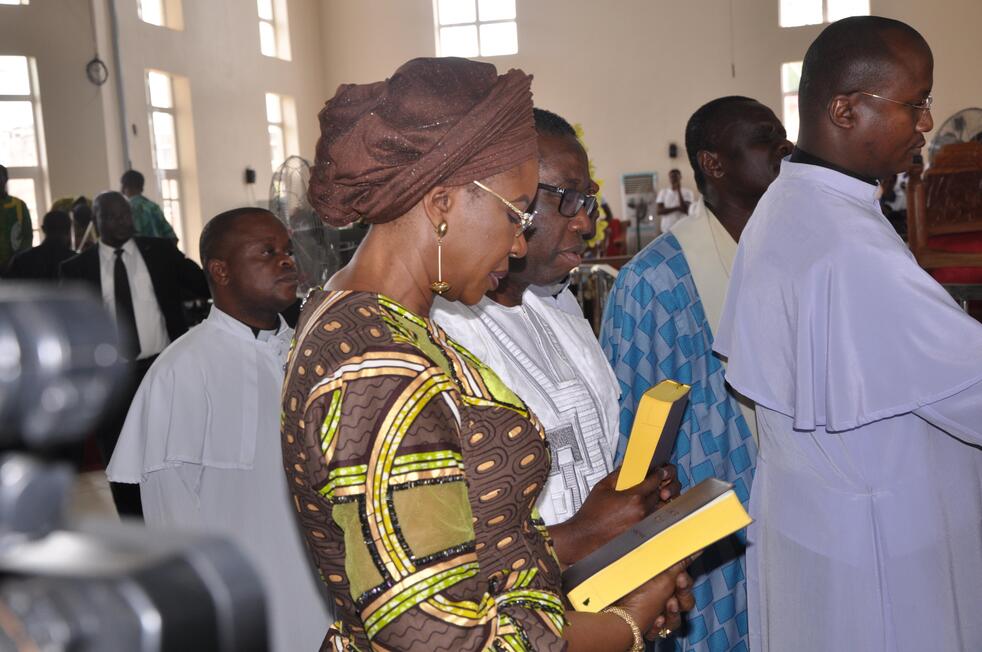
x,y
524,217
571,201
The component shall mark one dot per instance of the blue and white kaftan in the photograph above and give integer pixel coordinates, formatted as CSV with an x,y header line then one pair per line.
x,y
657,326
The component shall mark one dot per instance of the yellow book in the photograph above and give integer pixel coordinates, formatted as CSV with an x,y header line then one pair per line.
x,y
656,425
699,517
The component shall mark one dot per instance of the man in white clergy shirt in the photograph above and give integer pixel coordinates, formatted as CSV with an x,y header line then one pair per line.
x,y
202,435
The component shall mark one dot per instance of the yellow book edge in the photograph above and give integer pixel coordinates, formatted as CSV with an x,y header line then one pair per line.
x,y
661,407
719,518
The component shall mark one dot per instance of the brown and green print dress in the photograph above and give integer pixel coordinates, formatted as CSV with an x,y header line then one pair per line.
x,y
415,473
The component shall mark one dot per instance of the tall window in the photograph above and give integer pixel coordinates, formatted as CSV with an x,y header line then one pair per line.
x,y
14,2
165,13
163,136
281,124
816,12
790,78
151,11
471,28
274,31
21,133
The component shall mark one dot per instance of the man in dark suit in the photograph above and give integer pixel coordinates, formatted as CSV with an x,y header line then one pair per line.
x,y
143,282
42,261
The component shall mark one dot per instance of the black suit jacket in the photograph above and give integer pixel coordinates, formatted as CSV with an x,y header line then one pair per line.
x,y
174,277
40,263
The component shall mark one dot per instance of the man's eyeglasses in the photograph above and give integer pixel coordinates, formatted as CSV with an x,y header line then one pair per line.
x,y
923,105
524,217
571,201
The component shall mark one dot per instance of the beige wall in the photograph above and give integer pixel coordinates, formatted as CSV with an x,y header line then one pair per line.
x,y
632,71
217,53
60,37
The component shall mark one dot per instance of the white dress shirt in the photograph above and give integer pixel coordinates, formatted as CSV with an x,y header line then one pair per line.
x,y
670,199
150,325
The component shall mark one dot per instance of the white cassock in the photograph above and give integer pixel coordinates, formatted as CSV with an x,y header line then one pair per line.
x,y
202,439
868,384
552,360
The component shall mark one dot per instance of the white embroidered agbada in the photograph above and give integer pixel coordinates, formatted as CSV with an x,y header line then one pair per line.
x,y
552,360
868,509
202,438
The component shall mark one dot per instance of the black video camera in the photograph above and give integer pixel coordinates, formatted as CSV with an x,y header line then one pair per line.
x,y
95,586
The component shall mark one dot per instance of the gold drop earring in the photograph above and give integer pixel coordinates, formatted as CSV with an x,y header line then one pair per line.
x,y
439,286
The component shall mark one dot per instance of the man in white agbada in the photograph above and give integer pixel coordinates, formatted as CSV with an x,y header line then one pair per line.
x,y
202,435
866,375
552,359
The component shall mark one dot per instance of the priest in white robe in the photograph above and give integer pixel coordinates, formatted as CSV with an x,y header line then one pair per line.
x,y
866,375
202,435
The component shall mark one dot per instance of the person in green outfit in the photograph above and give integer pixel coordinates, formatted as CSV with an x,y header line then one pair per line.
x,y
148,219
16,231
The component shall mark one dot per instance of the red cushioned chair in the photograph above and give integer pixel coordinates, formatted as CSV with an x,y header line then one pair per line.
x,y
944,218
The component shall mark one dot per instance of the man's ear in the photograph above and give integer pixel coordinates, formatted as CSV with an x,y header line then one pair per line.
x,y
218,271
841,111
439,202
710,164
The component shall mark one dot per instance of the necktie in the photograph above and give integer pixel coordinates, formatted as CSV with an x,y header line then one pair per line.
x,y
125,315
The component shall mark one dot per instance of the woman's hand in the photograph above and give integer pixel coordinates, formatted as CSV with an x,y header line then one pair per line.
x,y
608,512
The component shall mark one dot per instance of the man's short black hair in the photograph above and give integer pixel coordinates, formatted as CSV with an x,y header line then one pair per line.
x,y
133,180
852,54
704,128
56,222
548,123
210,245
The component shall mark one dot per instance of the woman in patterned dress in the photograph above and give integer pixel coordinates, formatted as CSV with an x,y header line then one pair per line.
x,y
414,470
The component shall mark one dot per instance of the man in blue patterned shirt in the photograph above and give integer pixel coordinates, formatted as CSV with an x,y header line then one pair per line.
x,y
659,323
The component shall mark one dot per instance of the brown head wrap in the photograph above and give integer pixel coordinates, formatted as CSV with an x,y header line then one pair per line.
x,y
435,121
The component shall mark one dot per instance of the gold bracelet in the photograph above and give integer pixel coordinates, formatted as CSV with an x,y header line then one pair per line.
x,y
638,645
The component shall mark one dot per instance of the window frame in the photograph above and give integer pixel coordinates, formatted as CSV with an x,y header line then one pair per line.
x,y
171,14
167,179
287,124
280,25
477,23
825,14
792,127
38,173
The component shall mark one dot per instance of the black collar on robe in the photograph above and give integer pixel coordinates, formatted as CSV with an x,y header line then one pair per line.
x,y
799,155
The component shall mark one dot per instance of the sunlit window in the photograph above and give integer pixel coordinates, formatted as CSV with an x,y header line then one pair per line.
x,y
152,11
471,28
163,13
815,12
281,121
790,78
22,134
274,31
14,2
163,136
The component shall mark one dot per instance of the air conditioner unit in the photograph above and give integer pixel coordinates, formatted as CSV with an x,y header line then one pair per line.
x,y
639,191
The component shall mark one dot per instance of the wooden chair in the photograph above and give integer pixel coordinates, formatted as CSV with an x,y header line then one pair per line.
x,y
944,215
